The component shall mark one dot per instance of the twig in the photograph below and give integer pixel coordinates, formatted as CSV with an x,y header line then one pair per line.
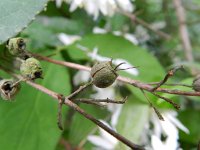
x,y
81,111
132,82
154,108
88,101
81,88
180,12
69,64
167,76
171,84
65,144
101,100
134,18
167,100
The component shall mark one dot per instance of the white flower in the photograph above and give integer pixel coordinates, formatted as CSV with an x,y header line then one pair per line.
x,y
169,128
104,140
68,39
81,77
142,34
130,37
125,5
93,7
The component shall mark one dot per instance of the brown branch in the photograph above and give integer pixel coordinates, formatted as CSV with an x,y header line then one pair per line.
x,y
180,12
65,143
154,108
80,110
135,19
101,100
167,76
125,80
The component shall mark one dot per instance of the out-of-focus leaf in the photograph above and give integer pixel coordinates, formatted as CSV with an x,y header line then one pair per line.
x,y
30,121
60,24
16,15
190,118
81,127
132,120
39,36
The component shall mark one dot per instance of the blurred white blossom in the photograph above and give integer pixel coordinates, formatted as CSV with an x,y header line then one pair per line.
x,y
141,34
130,37
104,140
68,39
95,56
94,7
169,128
81,77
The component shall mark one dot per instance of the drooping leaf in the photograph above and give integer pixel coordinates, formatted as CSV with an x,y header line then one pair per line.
x,y
16,15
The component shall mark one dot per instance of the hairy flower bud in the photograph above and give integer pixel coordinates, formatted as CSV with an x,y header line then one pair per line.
x,y
31,69
103,74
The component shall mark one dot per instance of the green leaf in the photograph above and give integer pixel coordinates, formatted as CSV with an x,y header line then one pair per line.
x,y
117,47
81,127
190,118
16,15
112,46
30,121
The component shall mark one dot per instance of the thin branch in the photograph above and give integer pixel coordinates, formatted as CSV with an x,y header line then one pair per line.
x,y
80,110
125,80
63,63
154,108
171,84
167,100
101,100
167,76
88,101
180,12
81,88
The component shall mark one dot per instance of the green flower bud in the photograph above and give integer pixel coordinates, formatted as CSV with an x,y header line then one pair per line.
x,y
16,46
31,69
103,74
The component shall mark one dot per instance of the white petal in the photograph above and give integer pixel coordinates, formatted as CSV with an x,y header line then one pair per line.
x,y
98,30
117,33
68,39
115,115
175,121
125,5
111,7
169,128
103,93
100,142
157,143
103,7
105,135
92,8
157,126
81,77
97,57
131,38
75,4
59,3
